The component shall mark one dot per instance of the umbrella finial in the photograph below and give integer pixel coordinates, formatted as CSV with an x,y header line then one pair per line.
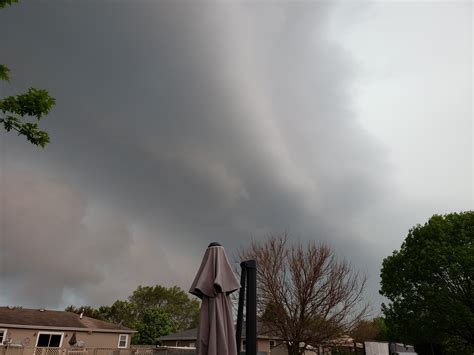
x,y
215,244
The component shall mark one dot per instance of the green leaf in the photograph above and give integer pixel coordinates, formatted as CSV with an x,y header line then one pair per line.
x,y
4,73
4,3
36,103
29,130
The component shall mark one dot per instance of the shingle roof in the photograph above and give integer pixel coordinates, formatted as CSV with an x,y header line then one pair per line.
x,y
191,334
55,319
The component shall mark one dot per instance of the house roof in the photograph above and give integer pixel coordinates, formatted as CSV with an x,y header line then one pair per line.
x,y
17,317
191,334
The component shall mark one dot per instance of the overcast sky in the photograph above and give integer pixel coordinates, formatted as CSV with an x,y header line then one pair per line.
x,y
179,123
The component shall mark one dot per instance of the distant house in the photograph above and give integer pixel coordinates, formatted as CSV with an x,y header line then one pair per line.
x,y
266,343
59,329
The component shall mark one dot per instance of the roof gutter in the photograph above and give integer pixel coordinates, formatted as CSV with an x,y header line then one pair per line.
x,y
95,330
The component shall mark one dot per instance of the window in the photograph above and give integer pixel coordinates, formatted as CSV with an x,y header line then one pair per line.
x,y
184,343
3,335
49,340
123,338
272,344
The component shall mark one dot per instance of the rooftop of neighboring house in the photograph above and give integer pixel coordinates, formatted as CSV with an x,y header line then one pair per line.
x,y
18,317
191,334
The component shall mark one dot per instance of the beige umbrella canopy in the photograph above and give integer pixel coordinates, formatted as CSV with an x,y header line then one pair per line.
x,y
214,282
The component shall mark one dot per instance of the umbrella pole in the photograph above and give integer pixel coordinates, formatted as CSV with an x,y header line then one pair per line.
x,y
251,311
249,272
240,312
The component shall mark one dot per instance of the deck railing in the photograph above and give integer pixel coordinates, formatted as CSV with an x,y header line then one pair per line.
x,y
20,350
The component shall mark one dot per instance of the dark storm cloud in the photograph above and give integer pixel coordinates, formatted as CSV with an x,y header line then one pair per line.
x,y
183,123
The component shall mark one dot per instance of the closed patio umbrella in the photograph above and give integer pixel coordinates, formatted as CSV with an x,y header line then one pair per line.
x,y
214,282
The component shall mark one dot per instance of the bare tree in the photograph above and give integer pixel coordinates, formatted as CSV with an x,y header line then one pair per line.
x,y
305,295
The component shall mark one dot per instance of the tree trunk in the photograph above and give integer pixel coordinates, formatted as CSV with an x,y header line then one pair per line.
x,y
294,349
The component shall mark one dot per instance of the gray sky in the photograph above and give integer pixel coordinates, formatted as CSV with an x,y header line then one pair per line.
x,y
180,123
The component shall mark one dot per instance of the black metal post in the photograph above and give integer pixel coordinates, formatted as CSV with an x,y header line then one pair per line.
x,y
240,312
251,311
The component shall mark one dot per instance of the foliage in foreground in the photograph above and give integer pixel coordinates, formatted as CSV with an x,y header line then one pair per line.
x,y
430,284
4,3
153,311
33,105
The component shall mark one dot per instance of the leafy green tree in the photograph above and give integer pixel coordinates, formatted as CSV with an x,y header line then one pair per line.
x,y
22,113
153,311
373,329
183,310
120,312
88,311
154,324
430,283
